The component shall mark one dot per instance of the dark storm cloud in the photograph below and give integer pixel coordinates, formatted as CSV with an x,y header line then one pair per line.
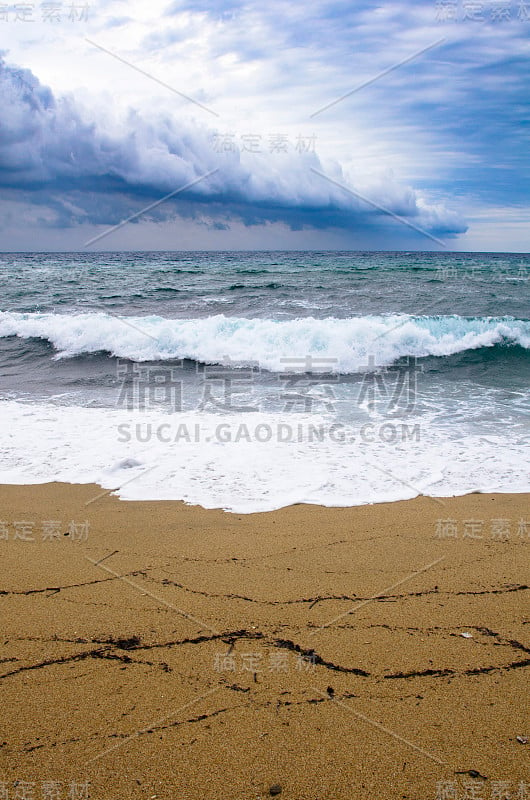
x,y
87,170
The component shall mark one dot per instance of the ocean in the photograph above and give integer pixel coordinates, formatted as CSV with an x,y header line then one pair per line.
x,y
251,381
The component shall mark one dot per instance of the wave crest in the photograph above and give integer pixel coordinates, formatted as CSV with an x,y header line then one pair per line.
x,y
353,343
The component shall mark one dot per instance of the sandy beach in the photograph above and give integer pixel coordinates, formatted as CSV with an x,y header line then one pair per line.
x,y
158,650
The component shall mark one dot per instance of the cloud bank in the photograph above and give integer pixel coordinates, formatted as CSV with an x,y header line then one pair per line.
x,y
81,164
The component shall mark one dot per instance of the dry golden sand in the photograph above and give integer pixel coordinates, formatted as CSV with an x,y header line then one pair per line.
x,y
175,668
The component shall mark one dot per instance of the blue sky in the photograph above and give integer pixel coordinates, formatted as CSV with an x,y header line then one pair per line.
x,y
231,110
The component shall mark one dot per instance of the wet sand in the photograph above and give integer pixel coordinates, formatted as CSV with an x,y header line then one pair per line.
x,y
165,651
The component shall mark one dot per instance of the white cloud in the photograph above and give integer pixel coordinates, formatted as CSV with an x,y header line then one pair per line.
x,y
407,141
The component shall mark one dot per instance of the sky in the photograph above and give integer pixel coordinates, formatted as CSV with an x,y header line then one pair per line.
x,y
251,125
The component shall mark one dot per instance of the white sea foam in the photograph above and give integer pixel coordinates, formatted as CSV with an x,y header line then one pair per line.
x,y
187,457
350,342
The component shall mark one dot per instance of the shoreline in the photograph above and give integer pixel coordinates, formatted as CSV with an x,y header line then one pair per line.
x,y
165,649
99,490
